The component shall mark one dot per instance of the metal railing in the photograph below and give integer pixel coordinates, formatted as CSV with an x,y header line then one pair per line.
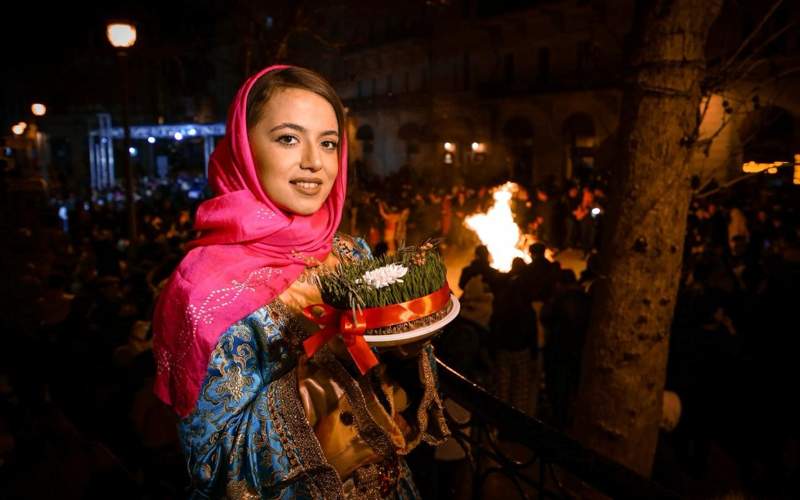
x,y
555,462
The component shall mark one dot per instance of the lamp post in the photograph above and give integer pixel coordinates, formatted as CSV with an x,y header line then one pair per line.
x,y
122,36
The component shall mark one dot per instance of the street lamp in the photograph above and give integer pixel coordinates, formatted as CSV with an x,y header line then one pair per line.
x,y
19,128
38,109
122,36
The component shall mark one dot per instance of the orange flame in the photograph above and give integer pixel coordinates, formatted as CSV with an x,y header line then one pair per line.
x,y
498,231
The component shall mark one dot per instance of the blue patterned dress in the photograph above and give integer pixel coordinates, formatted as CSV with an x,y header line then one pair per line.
x,y
249,435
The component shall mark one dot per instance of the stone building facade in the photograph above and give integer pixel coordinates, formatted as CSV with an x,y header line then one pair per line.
x,y
482,92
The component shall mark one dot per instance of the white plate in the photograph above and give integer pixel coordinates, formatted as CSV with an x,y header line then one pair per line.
x,y
417,334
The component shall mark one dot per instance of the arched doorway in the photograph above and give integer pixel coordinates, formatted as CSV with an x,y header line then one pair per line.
x,y
768,135
518,136
366,136
411,134
363,165
579,143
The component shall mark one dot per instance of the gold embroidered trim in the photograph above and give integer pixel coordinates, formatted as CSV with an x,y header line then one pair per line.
x,y
430,406
295,433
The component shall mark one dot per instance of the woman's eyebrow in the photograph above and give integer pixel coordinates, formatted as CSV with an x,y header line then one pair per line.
x,y
301,129
293,126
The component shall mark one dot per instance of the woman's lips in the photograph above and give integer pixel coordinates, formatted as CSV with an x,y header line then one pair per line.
x,y
307,187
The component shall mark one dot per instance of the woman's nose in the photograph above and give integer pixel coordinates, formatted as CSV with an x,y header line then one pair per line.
x,y
312,158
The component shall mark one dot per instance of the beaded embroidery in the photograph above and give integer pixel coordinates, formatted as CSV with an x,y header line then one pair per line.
x,y
217,299
264,214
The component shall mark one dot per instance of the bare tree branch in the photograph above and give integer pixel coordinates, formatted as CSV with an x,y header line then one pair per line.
x,y
752,35
698,194
739,70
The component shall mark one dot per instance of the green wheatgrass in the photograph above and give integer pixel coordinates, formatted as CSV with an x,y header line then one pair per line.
x,y
342,287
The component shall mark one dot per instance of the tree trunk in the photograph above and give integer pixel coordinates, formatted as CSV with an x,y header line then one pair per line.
x,y
624,363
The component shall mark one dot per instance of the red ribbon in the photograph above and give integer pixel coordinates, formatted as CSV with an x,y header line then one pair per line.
x,y
351,325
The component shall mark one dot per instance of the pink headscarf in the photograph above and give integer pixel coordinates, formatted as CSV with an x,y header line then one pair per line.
x,y
248,253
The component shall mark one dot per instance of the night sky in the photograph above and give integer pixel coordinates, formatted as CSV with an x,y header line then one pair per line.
x,y
58,54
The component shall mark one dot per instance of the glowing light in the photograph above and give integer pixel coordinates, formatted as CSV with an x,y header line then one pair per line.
x,y
498,231
752,167
192,131
19,128
796,178
595,212
449,147
132,151
772,170
178,136
121,35
151,140
478,147
38,109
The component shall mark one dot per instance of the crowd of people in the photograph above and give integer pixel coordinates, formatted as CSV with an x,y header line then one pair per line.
x,y
561,217
77,405
78,418
728,419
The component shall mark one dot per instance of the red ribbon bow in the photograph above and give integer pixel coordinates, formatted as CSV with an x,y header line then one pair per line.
x,y
351,325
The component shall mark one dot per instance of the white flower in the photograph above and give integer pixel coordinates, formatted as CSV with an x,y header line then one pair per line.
x,y
384,276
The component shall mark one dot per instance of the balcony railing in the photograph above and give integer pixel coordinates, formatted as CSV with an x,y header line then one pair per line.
x,y
554,466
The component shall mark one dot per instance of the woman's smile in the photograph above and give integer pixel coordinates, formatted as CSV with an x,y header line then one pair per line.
x,y
309,186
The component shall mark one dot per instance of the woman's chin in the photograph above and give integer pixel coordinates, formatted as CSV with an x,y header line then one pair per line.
x,y
305,207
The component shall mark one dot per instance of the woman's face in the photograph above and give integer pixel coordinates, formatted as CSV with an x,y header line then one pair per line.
x,y
295,148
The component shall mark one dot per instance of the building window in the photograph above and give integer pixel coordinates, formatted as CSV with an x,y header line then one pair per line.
x,y
508,68
584,55
466,69
366,136
543,75
411,134
580,140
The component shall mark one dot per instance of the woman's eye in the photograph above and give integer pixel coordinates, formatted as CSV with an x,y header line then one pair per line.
x,y
287,140
330,144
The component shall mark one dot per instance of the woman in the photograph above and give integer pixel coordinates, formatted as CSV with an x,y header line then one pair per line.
x,y
259,419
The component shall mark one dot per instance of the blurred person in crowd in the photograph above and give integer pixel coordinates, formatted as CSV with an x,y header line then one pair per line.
x,y
480,265
392,218
545,212
565,318
539,277
514,338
